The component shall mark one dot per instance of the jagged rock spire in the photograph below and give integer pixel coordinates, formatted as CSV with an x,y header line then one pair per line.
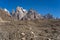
x,y
20,13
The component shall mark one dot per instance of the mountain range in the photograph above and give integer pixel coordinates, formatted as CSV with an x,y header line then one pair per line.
x,y
22,14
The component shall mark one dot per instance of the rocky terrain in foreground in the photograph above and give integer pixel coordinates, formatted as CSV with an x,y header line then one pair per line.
x,y
30,30
28,25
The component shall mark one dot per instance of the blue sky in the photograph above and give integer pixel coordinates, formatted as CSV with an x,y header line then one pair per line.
x,y
41,6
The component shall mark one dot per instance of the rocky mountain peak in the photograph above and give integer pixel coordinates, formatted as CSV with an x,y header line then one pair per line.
x,y
20,13
31,10
32,14
20,9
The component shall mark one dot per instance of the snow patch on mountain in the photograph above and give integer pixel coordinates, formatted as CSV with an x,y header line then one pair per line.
x,y
6,10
